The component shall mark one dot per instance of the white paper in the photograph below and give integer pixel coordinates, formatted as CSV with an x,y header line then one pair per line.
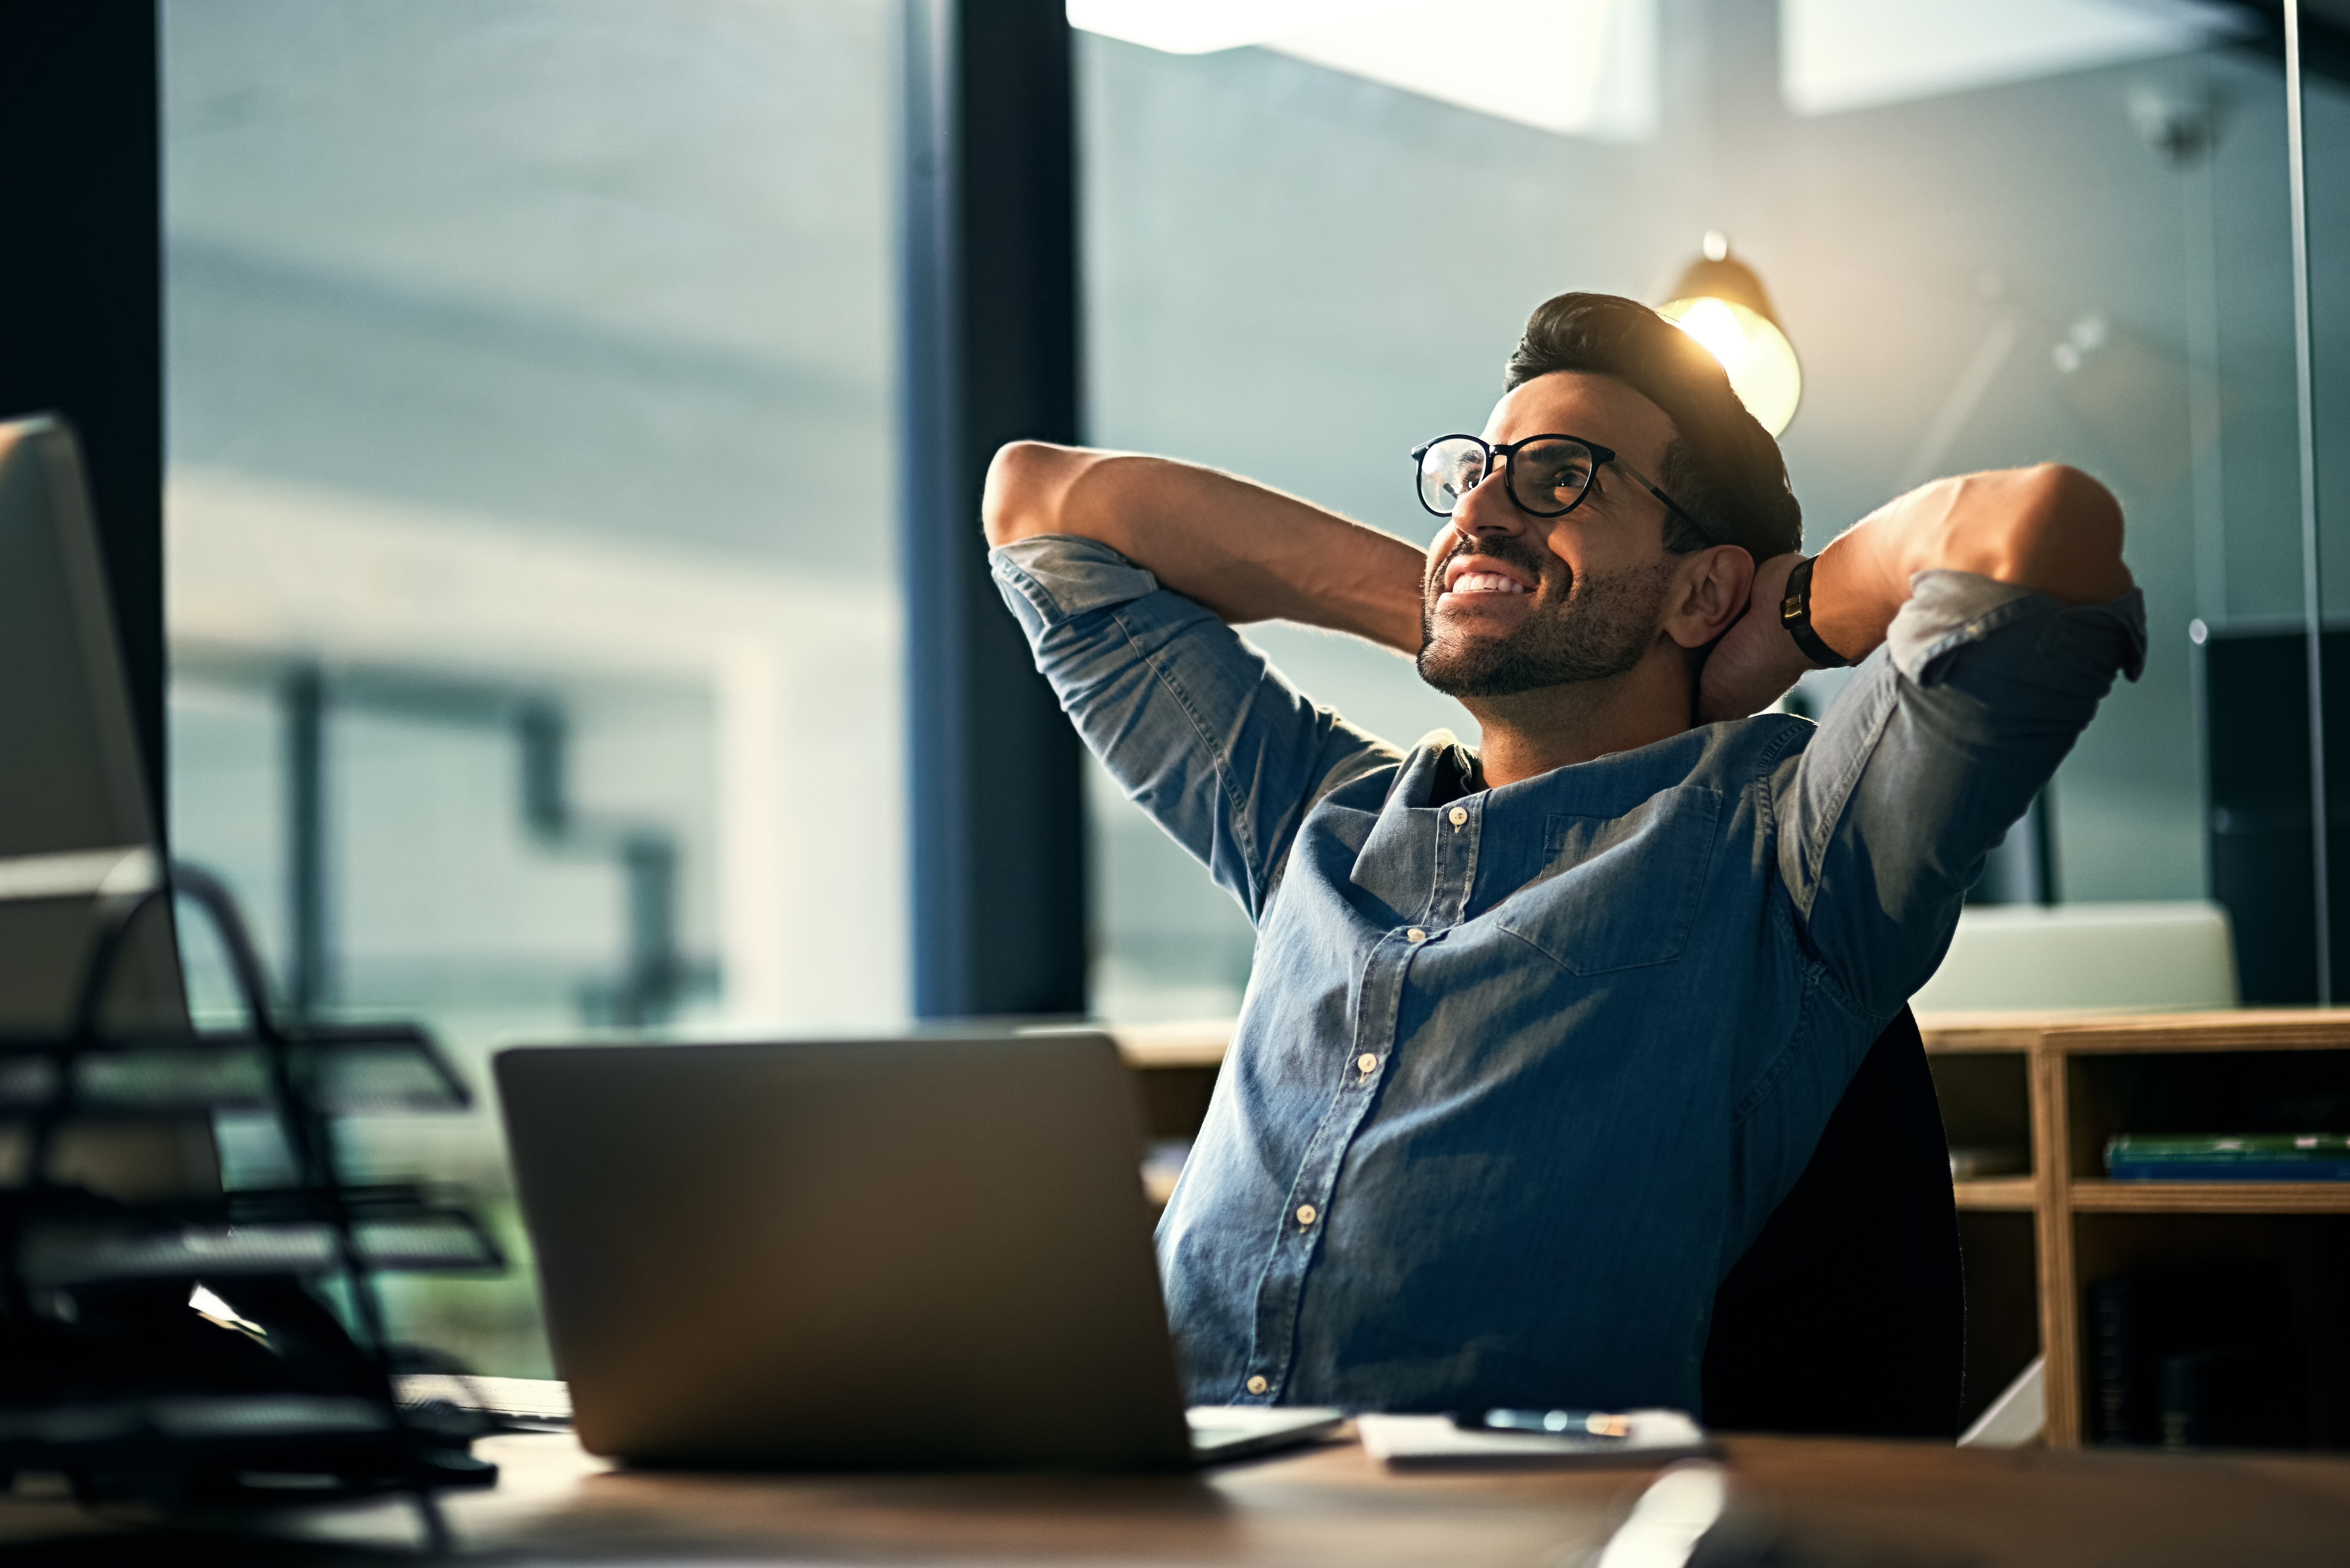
x,y
1656,1435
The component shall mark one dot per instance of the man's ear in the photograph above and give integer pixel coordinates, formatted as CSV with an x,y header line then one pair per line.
x,y
1711,591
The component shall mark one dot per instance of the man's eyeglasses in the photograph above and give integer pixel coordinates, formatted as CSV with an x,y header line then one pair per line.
x,y
1546,475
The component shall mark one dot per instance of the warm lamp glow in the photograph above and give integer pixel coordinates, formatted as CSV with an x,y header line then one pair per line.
x,y
1721,303
1760,359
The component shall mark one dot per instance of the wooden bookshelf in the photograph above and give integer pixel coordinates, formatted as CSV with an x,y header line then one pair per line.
x,y
2093,1197
2002,1194
2058,1084
2087,1077
1165,1047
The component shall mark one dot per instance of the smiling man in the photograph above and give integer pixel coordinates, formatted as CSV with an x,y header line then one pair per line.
x,y
1539,1032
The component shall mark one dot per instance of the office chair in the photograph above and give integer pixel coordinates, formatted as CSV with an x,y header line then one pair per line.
x,y
1847,1314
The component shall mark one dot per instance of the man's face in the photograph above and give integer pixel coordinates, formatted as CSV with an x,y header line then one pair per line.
x,y
1512,603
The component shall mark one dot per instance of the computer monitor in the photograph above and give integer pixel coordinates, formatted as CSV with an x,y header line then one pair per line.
x,y
77,828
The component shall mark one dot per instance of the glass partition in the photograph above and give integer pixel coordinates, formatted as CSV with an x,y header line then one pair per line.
x,y
2060,234
533,601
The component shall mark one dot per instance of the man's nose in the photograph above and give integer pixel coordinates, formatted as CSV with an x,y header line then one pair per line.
x,y
1487,508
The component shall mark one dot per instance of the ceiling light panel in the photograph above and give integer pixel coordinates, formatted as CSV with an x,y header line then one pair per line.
x,y
1837,54
1581,68
1205,27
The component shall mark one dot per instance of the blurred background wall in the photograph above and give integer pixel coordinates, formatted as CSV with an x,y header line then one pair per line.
x,y
532,565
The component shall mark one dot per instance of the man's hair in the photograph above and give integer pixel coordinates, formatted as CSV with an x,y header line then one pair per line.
x,y
1722,466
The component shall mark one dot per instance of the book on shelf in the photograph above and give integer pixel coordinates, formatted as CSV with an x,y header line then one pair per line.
x,y
2197,1355
1983,1162
2229,1156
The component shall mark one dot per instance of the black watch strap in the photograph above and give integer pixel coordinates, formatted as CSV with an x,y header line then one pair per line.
x,y
1795,615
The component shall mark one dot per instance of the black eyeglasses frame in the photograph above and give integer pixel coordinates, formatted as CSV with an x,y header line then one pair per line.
x,y
1601,456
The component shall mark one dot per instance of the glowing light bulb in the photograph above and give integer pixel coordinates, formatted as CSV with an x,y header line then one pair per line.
x,y
1712,323
1758,358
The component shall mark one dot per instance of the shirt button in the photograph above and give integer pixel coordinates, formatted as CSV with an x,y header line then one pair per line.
x,y
1368,1063
1258,1385
1460,814
1306,1214
1415,935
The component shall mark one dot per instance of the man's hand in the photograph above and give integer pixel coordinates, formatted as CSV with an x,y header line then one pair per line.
x,y
1756,660
2051,529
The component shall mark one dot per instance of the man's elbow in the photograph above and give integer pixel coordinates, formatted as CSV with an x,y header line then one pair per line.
x,y
2074,503
2067,536
1024,483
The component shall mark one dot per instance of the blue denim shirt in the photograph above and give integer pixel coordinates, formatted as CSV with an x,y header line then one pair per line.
x,y
1521,1072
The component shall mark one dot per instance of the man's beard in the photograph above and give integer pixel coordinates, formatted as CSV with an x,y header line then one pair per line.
x,y
1603,626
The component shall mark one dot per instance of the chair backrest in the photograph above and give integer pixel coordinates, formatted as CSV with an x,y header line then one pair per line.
x,y
1848,1315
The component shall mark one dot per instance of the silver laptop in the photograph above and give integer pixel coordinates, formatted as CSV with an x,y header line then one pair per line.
x,y
857,1254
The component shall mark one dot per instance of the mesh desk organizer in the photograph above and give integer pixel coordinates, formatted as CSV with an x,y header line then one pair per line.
x,y
111,1378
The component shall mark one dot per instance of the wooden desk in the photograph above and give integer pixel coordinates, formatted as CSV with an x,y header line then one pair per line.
x,y
1833,1503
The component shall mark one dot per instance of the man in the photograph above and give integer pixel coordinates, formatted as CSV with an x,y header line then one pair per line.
x,y
1540,1032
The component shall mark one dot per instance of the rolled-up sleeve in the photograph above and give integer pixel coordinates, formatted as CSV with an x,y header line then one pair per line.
x,y
1195,723
1931,754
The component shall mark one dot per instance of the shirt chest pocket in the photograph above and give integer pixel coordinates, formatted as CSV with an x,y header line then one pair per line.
x,y
1620,891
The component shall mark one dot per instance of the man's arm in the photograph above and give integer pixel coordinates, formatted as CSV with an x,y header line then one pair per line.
x,y
2049,528
1247,551
1196,726
2014,614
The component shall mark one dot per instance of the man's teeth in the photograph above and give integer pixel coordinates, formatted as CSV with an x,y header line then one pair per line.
x,y
1487,583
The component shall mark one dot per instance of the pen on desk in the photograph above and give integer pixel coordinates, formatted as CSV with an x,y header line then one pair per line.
x,y
1549,1423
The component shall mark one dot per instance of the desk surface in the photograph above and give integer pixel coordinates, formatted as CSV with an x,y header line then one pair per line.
x,y
1834,1502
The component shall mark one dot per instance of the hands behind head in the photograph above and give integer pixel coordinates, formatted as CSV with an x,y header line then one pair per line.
x,y
1756,662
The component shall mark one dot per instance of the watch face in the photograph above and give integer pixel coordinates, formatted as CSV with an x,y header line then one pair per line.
x,y
1797,604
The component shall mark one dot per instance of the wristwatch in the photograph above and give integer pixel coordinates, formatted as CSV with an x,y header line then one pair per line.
x,y
1795,615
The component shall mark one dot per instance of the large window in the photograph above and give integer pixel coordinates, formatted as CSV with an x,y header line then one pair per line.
x,y
533,595
2060,234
